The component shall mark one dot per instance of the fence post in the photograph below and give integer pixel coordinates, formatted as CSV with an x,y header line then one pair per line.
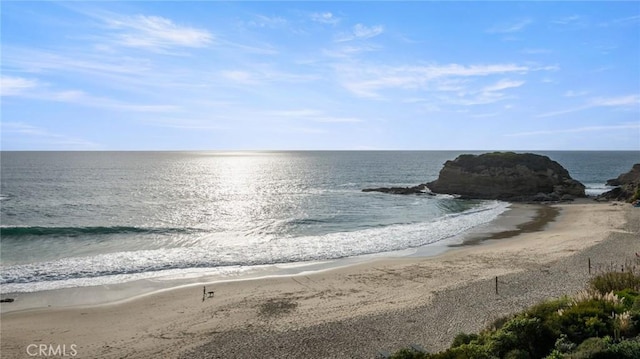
x,y
589,265
496,284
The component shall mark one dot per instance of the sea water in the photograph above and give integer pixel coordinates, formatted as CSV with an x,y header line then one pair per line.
x,y
71,219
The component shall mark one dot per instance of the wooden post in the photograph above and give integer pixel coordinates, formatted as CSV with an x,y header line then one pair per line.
x,y
204,292
589,265
496,284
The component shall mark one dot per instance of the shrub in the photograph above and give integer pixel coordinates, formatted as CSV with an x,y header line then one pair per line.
x,y
499,322
525,334
615,281
588,318
517,354
409,354
627,349
463,338
629,297
589,348
555,354
467,351
564,345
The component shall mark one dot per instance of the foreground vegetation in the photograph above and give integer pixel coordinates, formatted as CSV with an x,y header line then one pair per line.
x,y
601,322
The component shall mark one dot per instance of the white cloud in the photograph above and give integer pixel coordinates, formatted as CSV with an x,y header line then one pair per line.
x,y
325,18
272,22
15,86
46,137
630,126
311,115
630,20
367,81
239,76
362,32
12,86
536,51
32,60
263,74
503,85
572,93
156,33
622,102
567,20
510,27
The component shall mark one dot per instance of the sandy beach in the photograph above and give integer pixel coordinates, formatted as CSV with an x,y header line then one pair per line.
x,y
381,305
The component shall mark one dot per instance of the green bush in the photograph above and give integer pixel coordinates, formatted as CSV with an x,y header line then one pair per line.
x,y
463,338
588,348
555,354
524,334
629,296
627,349
466,351
409,354
615,281
517,354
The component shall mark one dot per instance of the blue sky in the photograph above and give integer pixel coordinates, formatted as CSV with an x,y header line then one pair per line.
x,y
204,75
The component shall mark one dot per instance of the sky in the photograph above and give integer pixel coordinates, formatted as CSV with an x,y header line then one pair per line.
x,y
329,75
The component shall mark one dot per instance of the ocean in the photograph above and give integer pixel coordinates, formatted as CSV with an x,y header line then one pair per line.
x,y
75,219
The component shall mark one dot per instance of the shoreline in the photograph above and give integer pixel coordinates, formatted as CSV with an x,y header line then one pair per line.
x,y
335,309
515,220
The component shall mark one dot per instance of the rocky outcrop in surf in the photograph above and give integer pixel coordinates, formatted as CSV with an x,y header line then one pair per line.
x,y
628,186
419,189
507,176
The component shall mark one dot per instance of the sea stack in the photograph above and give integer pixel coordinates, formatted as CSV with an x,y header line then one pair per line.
x,y
628,186
507,176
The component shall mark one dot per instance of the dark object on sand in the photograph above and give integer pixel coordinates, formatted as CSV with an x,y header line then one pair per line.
x,y
7,300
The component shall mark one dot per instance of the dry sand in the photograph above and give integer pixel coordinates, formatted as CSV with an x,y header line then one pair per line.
x,y
355,311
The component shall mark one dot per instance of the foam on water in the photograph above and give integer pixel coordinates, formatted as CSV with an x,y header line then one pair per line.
x,y
595,189
231,257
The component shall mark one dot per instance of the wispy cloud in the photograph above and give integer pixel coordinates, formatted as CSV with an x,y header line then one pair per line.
x,y
155,33
510,27
622,102
536,51
361,32
12,86
625,21
44,137
572,93
503,85
367,81
628,126
311,115
34,89
263,74
263,21
567,20
325,18
37,61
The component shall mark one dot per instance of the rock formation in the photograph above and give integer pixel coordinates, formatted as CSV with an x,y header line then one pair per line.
x,y
628,186
507,176
419,189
